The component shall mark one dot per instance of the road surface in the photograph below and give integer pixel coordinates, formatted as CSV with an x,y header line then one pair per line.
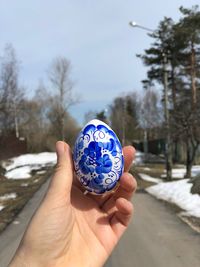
x,y
155,238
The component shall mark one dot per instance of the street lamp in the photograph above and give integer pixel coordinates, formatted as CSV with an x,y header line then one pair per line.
x,y
136,25
166,111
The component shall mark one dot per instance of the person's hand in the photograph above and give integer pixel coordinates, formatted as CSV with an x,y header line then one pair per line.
x,y
73,229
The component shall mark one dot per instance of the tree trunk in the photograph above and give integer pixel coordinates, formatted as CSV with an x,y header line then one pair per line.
x,y
169,170
176,153
168,150
145,142
173,87
191,155
193,77
188,170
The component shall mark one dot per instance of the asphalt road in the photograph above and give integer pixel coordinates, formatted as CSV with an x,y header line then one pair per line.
x,y
155,238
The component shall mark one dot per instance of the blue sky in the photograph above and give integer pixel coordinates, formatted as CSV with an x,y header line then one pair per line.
x,y
93,35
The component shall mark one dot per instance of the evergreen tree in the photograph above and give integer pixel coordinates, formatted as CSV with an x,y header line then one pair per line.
x,y
179,44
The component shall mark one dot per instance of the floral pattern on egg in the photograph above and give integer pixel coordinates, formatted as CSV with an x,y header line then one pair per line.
x,y
98,157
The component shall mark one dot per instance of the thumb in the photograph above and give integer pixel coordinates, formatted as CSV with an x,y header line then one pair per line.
x,y
61,182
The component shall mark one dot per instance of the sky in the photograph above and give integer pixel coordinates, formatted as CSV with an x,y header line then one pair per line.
x,y
93,35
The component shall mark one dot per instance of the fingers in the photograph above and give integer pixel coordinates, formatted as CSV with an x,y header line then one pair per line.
x,y
122,216
127,183
62,179
129,154
126,189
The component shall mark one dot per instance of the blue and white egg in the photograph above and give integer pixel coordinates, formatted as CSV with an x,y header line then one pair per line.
x,y
98,157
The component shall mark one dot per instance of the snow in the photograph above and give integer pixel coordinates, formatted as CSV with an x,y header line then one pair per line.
x,y
20,167
1,207
179,173
8,196
24,184
138,157
15,222
41,159
149,178
178,192
146,169
19,173
41,172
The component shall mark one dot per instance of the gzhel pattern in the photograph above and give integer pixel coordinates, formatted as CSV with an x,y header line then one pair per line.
x,y
98,157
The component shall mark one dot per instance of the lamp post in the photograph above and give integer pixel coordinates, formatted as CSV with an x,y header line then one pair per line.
x,y
168,154
136,25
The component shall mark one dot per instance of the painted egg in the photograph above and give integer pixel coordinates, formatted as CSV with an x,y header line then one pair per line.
x,y
98,157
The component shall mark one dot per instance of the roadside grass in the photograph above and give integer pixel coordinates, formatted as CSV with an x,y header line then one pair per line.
x,y
154,170
192,221
141,184
24,188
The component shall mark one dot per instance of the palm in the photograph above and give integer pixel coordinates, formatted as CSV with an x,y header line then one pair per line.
x,y
93,224
101,220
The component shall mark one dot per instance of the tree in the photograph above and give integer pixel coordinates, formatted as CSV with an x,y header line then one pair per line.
x,y
63,97
11,94
186,125
188,112
178,43
39,122
189,27
101,115
123,117
150,113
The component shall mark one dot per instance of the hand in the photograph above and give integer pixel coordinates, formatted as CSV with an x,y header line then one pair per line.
x,y
71,229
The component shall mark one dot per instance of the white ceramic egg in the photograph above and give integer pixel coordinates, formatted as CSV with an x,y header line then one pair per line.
x,y
98,157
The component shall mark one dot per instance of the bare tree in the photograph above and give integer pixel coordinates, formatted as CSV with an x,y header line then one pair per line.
x,y
150,114
11,95
123,117
63,96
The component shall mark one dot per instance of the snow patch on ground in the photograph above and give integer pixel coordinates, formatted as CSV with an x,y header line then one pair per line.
x,y
21,167
41,172
178,192
19,173
24,184
8,196
15,222
179,173
138,158
43,158
146,169
1,207
149,178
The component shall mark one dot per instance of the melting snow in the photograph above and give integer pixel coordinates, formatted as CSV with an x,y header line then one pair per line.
x,y
1,207
149,178
179,173
178,192
8,196
21,167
